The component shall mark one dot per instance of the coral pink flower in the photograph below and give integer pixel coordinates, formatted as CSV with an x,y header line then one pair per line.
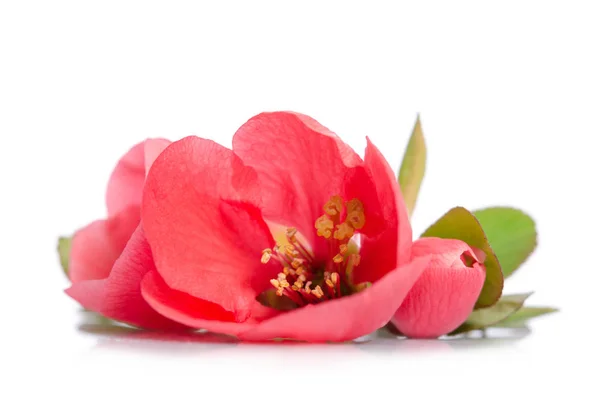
x,y
289,235
98,247
445,294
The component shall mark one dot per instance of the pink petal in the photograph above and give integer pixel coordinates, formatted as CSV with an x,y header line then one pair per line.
x,y
300,165
360,184
119,296
349,156
152,148
392,247
445,295
200,216
346,318
127,179
96,247
191,311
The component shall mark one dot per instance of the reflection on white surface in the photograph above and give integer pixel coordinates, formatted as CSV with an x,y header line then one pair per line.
x,y
97,354
114,337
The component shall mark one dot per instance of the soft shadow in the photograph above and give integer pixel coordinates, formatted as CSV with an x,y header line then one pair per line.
x,y
386,342
117,336
114,336
490,338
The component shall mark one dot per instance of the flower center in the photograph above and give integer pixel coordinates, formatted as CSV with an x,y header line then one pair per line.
x,y
305,279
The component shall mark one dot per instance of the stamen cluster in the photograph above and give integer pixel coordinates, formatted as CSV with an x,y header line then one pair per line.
x,y
304,279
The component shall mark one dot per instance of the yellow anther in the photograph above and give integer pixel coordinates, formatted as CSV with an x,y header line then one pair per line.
x,y
291,250
354,205
279,292
318,292
356,219
343,231
302,277
329,283
283,284
291,234
334,206
324,226
338,258
297,262
298,284
275,283
266,256
335,277
281,276
343,248
307,286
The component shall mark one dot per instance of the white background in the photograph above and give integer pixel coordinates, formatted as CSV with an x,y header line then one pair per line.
x,y
509,96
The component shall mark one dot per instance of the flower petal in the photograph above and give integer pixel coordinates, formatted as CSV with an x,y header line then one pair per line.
x,y
349,156
152,149
347,318
300,165
96,247
360,184
127,179
445,295
119,297
200,217
378,254
188,310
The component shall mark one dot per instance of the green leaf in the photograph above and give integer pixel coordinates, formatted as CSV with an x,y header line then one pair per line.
x,y
460,224
520,317
64,252
511,234
486,317
412,169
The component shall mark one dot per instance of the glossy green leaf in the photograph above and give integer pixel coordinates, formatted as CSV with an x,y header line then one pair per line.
x,y
412,169
511,234
520,317
489,316
64,251
460,224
